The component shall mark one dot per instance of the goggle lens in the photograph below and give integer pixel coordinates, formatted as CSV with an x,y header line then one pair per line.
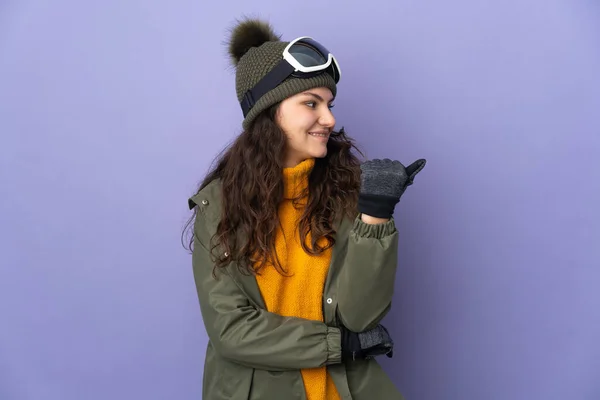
x,y
310,53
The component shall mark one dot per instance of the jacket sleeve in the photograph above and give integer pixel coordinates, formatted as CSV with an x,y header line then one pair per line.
x,y
367,277
255,337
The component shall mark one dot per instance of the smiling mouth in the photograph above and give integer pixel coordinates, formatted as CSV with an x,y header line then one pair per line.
x,y
322,135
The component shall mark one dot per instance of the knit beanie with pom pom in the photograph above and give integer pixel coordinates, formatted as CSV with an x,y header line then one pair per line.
x,y
255,49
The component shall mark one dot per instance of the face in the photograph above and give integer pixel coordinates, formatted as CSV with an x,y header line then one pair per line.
x,y
307,121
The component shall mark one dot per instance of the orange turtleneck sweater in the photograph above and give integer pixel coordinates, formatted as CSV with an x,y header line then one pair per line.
x,y
300,293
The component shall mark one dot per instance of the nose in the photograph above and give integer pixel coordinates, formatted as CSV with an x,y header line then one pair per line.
x,y
327,119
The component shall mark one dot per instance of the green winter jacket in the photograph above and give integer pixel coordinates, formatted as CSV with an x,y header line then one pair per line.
x,y
254,354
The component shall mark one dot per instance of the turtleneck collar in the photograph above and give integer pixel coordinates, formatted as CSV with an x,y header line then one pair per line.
x,y
295,179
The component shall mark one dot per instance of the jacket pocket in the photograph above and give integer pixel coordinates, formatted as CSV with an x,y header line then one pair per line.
x,y
367,381
271,385
225,380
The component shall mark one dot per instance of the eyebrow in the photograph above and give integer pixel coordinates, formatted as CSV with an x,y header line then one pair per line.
x,y
317,96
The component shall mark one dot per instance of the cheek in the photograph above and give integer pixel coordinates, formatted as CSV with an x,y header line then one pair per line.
x,y
296,123
303,122
292,128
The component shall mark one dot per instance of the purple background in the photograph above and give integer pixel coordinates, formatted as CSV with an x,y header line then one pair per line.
x,y
111,112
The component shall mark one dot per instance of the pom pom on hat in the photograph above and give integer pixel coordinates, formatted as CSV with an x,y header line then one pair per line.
x,y
249,33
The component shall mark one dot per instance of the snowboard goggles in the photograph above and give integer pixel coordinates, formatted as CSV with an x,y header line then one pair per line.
x,y
303,57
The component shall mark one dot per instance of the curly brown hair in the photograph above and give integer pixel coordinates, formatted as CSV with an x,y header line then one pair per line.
x,y
250,172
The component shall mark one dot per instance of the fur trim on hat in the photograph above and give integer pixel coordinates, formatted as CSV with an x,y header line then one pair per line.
x,y
249,33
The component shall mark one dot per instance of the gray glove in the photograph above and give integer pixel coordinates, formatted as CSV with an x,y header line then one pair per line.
x,y
382,184
367,344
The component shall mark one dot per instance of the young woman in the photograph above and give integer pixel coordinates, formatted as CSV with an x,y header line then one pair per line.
x,y
294,244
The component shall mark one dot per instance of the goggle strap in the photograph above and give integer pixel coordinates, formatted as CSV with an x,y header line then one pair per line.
x,y
269,82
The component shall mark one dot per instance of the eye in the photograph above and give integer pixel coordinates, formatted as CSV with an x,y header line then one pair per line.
x,y
331,106
311,104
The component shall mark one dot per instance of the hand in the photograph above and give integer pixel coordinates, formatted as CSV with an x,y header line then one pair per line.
x,y
367,344
382,184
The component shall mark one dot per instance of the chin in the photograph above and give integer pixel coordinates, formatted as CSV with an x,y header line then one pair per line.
x,y
320,154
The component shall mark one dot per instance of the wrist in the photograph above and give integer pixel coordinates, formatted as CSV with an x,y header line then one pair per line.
x,y
377,206
351,348
368,219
